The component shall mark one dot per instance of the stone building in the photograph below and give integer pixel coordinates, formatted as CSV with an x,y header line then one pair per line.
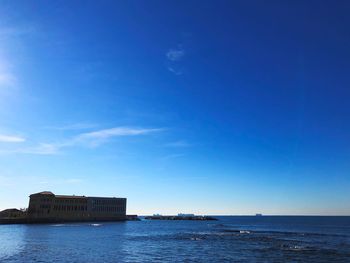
x,y
12,213
46,206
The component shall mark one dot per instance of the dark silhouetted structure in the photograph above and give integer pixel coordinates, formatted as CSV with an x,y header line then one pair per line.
x,y
48,207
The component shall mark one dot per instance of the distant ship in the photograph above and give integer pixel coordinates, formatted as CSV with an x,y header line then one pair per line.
x,y
258,214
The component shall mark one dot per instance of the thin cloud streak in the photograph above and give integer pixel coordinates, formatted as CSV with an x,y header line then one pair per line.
x,y
175,54
11,138
72,127
178,144
7,35
89,139
174,57
96,138
12,32
59,182
172,156
117,131
175,71
7,78
41,149
12,181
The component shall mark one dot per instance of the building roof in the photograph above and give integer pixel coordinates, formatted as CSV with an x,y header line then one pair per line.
x,y
10,210
70,196
44,193
48,193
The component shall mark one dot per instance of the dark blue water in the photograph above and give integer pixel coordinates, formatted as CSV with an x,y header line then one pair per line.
x,y
231,239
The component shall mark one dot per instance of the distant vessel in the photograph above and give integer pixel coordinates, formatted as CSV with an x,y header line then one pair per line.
x,y
258,214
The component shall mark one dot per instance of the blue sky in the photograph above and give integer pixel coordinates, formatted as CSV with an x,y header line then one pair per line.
x,y
208,107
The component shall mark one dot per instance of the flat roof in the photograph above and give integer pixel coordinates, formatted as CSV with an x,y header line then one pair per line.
x,y
43,193
70,196
103,197
75,196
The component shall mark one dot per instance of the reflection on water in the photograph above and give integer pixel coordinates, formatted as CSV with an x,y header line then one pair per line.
x,y
232,239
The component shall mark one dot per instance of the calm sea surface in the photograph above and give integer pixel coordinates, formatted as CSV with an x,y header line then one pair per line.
x,y
231,239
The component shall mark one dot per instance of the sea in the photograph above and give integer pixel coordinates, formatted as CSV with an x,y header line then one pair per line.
x,y
229,239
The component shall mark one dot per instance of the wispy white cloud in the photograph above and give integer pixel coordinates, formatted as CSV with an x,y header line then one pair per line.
x,y
11,32
174,57
88,139
175,54
11,180
74,126
178,144
117,131
95,138
7,78
59,182
11,138
41,149
172,156
177,72
10,37
73,181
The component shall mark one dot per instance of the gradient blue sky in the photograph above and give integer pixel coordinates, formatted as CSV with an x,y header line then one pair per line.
x,y
208,107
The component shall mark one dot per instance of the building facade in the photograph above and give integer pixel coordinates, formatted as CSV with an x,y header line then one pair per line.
x,y
46,206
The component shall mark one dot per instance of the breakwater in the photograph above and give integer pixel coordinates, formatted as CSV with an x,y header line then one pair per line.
x,y
197,218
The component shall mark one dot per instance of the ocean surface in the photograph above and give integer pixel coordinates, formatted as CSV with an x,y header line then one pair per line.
x,y
230,239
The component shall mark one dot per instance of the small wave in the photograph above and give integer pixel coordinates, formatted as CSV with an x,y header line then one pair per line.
x,y
276,232
237,231
67,225
218,225
296,247
231,230
292,247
